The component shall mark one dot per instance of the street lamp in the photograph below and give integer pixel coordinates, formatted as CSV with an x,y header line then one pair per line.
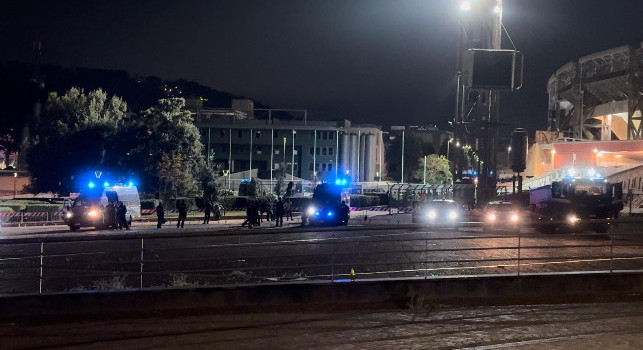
x,y
15,187
509,156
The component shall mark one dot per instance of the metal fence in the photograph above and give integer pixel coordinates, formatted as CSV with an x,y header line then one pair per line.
x,y
95,263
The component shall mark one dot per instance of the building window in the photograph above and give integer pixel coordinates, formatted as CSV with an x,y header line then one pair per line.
x,y
312,151
330,167
330,135
276,151
240,133
222,133
317,166
323,151
325,135
317,150
259,149
330,151
323,166
258,134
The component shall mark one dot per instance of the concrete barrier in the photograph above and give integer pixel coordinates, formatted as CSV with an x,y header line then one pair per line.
x,y
375,294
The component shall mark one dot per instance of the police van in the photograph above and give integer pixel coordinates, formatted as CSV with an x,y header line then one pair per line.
x,y
89,209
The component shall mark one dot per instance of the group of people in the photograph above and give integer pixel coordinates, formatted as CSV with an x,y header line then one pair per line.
x,y
273,211
117,215
210,209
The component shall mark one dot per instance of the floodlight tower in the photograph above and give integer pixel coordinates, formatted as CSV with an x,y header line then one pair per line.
x,y
480,27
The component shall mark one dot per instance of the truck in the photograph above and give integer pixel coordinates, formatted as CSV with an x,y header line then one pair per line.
x,y
327,207
89,208
576,203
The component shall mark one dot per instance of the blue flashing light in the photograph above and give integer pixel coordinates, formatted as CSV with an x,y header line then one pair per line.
x,y
475,173
105,184
131,183
491,172
316,213
91,184
338,182
330,213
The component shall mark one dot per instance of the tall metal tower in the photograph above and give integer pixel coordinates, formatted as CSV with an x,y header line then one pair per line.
x,y
476,111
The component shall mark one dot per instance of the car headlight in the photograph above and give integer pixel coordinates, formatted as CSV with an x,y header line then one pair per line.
x,y
432,214
572,219
92,213
310,210
514,217
68,215
453,215
491,217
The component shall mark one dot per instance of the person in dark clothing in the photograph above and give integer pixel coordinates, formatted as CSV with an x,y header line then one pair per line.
x,y
288,210
268,210
345,211
207,210
248,215
279,212
183,213
216,211
122,220
112,221
160,215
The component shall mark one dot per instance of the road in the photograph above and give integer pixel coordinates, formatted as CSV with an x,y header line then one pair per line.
x,y
534,327
145,257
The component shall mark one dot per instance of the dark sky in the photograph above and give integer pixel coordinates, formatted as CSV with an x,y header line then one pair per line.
x,y
372,61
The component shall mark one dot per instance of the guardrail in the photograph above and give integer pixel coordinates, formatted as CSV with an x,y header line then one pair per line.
x,y
188,260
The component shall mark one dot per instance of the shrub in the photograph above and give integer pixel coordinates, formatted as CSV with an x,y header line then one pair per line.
x,y
149,203
358,200
43,208
6,210
15,205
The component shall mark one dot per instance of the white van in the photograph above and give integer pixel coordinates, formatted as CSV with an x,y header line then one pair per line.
x,y
89,210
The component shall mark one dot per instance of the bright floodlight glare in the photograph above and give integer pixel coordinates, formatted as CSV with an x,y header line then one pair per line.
x,y
491,217
514,217
131,183
432,214
92,212
91,185
572,219
338,182
310,210
105,184
453,214
591,172
497,10
465,6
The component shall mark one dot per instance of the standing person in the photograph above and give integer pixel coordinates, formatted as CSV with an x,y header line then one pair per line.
x,y
262,209
279,212
183,213
217,211
288,210
121,212
269,210
207,210
160,215
248,215
112,221
345,211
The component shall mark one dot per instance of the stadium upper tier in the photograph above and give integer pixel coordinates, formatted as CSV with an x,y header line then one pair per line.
x,y
599,96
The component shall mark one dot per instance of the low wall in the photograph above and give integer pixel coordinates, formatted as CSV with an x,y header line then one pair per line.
x,y
388,294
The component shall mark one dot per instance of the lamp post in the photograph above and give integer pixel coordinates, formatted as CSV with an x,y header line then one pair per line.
x,y
15,184
509,156
292,164
424,172
402,177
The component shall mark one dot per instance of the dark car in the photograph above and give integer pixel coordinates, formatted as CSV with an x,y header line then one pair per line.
x,y
326,207
438,212
501,215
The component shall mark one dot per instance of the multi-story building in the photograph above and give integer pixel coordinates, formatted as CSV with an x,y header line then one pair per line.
x,y
299,149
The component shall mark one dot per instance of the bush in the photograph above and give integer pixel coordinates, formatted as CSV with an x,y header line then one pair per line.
x,y
6,210
149,203
15,205
359,201
43,208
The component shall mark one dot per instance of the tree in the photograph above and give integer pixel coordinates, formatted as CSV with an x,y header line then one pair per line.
x,y
437,170
208,176
166,130
413,149
78,133
174,180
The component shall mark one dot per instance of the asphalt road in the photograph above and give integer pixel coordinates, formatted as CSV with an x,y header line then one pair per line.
x,y
579,326
225,253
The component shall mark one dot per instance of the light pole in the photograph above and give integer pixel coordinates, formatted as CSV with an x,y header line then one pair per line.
x,y
15,184
292,164
509,156
424,173
402,179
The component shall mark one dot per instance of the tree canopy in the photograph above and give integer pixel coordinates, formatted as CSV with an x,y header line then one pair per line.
x,y
437,170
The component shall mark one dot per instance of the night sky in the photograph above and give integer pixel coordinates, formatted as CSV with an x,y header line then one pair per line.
x,y
371,61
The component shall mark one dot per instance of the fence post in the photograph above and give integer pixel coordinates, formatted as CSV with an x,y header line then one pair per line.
x,y
142,257
332,258
611,251
518,231
42,250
